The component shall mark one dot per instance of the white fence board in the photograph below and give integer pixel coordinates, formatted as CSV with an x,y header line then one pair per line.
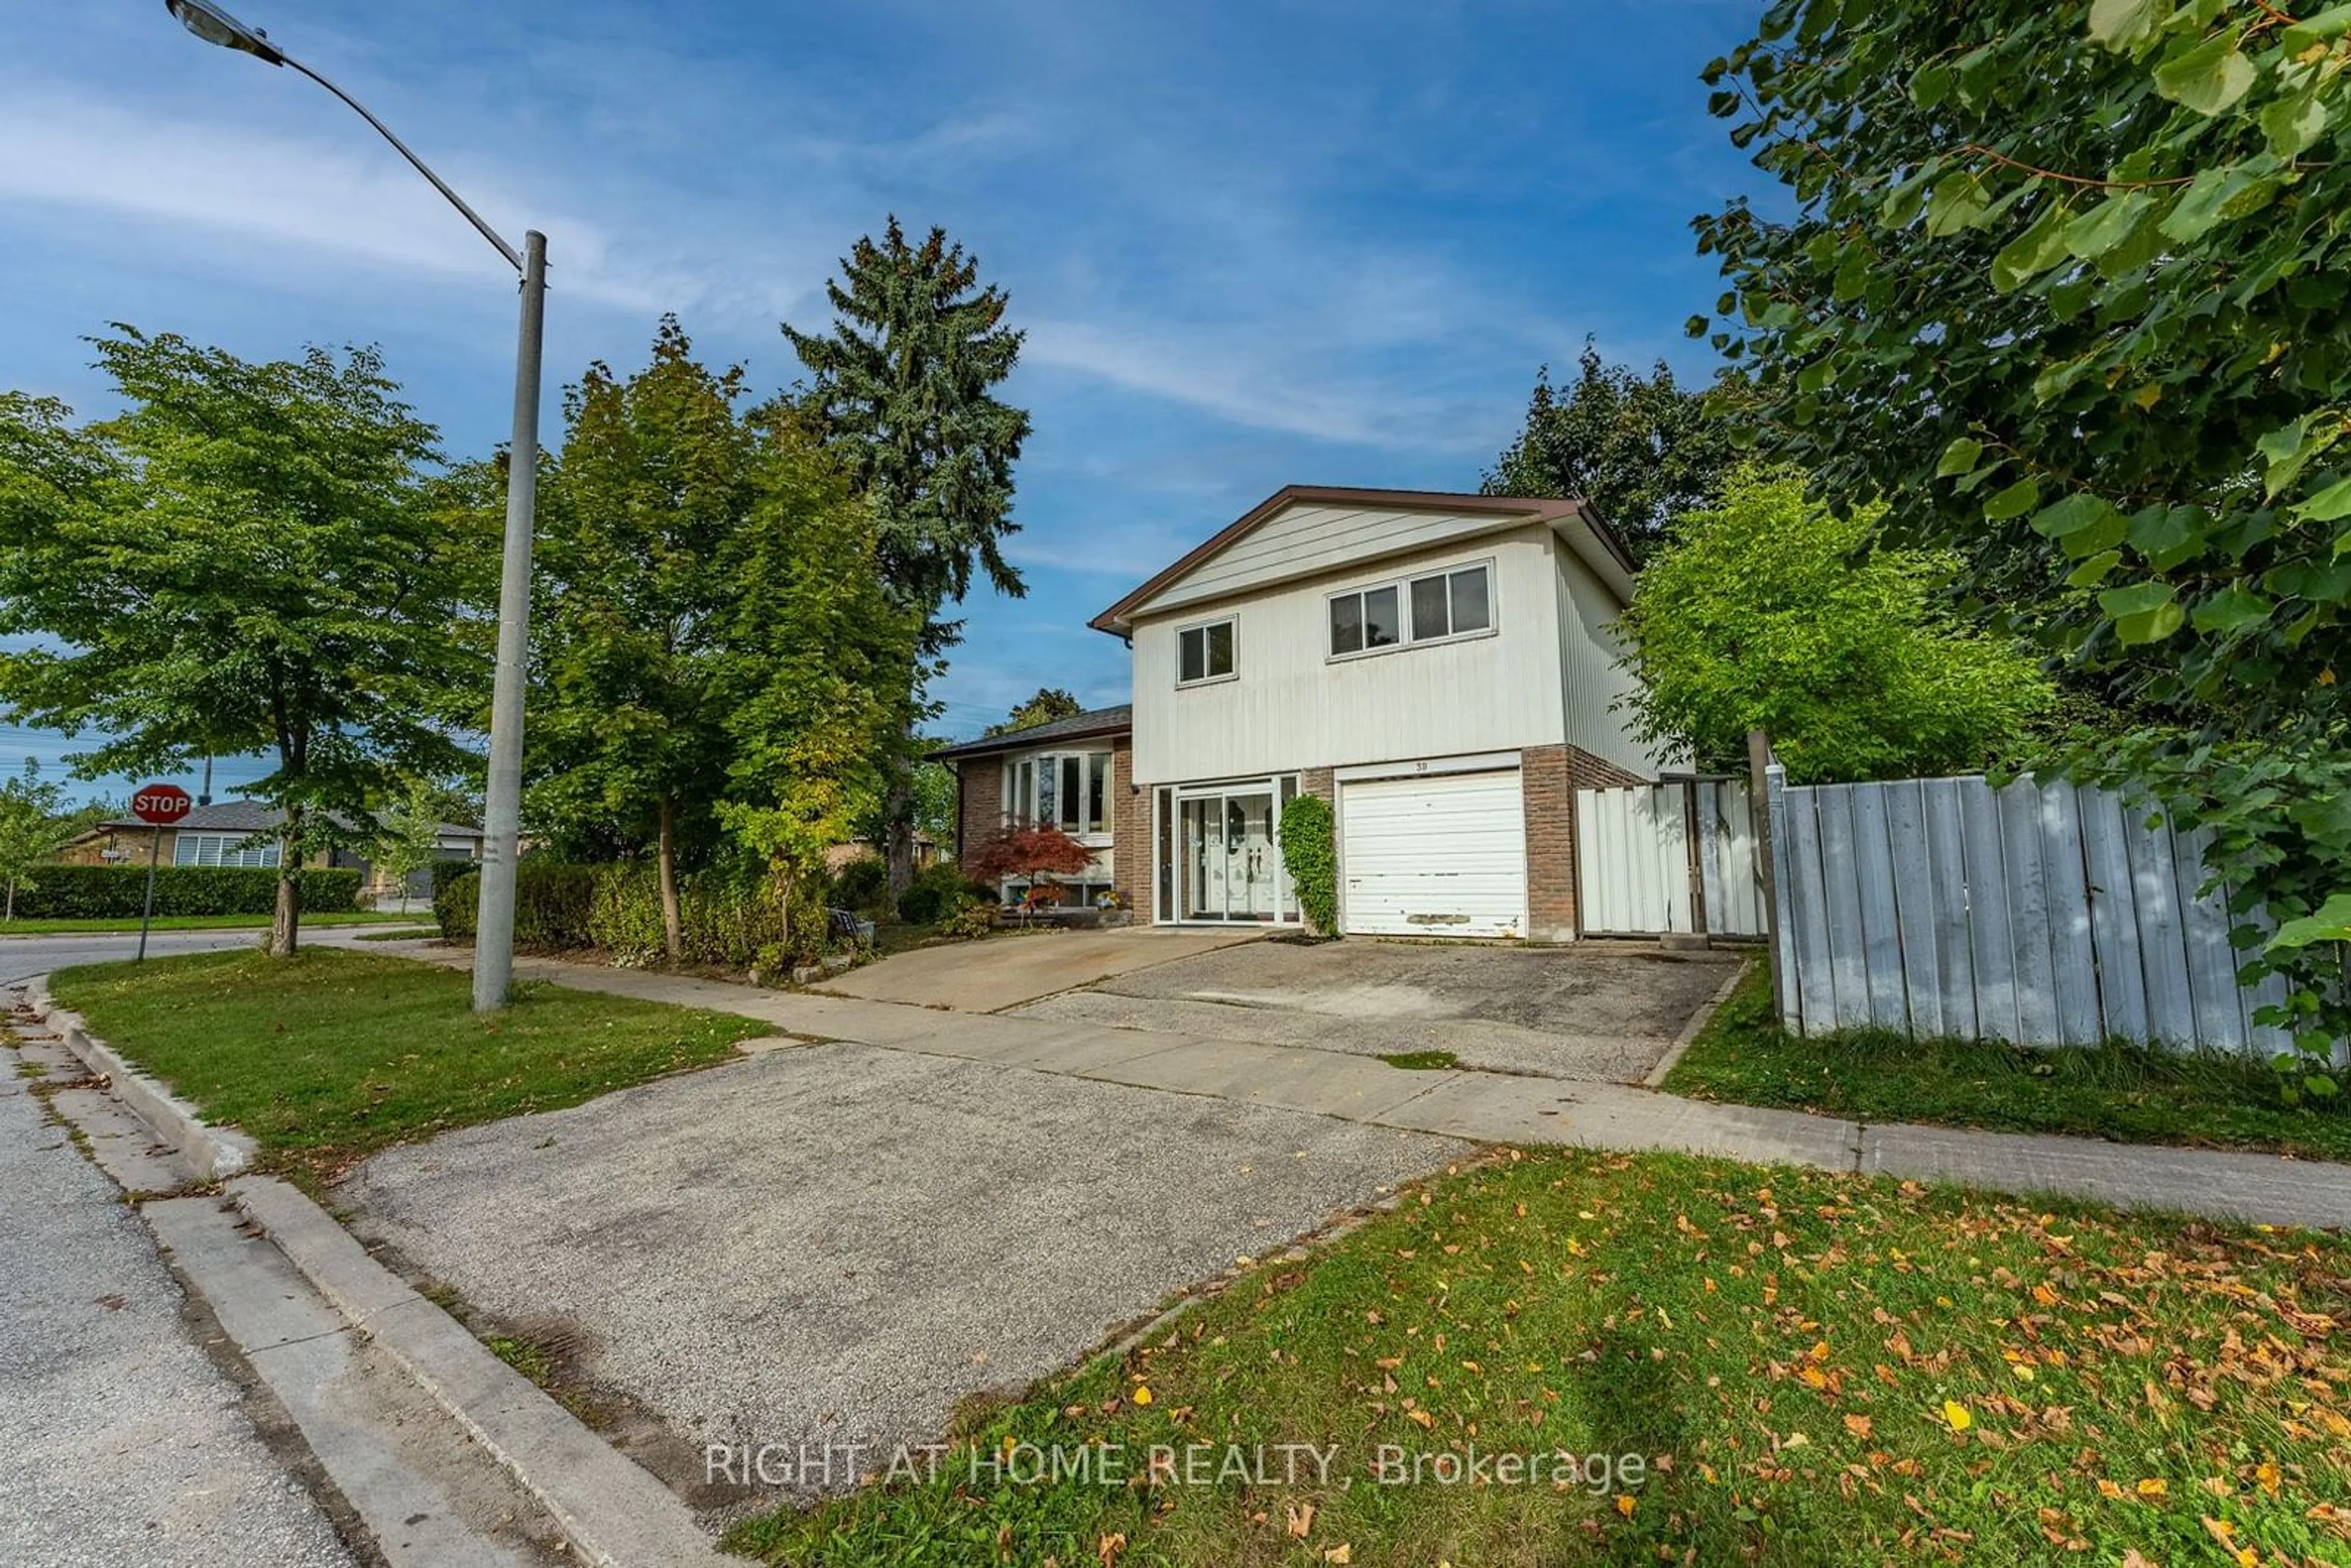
x,y
1634,859
2044,913
2114,915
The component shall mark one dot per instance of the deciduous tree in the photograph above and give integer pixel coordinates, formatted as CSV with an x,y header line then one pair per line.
x,y
2068,283
1051,703
244,559
1769,611
34,825
628,728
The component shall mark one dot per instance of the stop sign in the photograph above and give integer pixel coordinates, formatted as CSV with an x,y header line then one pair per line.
x,y
161,804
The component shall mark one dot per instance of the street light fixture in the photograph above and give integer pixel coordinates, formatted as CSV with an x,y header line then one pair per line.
x,y
502,809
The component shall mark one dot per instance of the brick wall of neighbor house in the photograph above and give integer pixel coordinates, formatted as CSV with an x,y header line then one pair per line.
x,y
1548,783
1130,826
982,797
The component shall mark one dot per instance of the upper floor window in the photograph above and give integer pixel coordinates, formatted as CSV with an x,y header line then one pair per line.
x,y
1069,790
1454,603
1204,653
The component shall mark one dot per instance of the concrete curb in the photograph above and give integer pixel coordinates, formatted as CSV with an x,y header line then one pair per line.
x,y
211,1153
611,1510
1655,1077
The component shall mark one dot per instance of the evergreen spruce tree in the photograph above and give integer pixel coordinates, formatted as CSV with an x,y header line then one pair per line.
x,y
902,392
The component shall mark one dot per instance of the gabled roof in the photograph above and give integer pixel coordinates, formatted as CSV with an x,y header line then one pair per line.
x,y
1100,721
1116,619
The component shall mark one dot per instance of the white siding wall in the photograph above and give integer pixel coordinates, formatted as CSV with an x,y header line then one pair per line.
x,y
1309,540
1591,679
1292,706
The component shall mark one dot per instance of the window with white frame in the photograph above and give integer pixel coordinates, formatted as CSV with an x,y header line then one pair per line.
x,y
1204,653
1434,608
224,849
1065,790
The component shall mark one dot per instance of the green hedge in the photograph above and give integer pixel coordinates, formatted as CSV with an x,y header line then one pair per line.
x,y
118,892
727,920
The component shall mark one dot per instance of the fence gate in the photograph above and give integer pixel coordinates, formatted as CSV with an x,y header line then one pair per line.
x,y
1679,856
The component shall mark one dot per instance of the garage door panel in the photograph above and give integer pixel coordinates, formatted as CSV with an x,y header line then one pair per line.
x,y
1440,855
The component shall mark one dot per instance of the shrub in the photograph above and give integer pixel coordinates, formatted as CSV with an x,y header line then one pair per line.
x,y
727,918
455,905
940,890
1309,850
862,885
972,920
444,872
552,903
119,892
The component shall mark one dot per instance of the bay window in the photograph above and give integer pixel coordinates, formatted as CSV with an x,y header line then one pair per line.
x,y
1066,789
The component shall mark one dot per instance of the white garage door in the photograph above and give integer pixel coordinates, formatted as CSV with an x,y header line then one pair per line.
x,y
1437,855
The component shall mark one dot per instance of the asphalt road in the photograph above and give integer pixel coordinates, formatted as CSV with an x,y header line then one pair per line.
x,y
125,1446
21,957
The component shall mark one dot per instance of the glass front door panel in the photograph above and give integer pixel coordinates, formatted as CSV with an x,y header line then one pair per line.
x,y
1227,867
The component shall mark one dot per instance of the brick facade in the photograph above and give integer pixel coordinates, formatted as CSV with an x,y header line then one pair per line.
x,y
979,803
1130,826
1547,782
1320,783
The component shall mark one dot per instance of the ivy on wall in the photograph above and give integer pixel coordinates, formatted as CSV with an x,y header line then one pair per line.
x,y
1310,849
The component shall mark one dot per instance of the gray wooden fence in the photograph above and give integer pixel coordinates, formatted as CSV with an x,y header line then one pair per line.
x,y
2043,914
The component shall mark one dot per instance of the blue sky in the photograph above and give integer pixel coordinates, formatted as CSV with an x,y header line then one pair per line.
x,y
1252,243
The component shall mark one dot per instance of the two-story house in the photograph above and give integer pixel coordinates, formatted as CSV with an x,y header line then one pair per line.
x,y
1440,667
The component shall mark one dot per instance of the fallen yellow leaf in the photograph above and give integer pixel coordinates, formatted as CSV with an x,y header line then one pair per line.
x,y
1957,1414
1142,1394
1625,1503
2154,1486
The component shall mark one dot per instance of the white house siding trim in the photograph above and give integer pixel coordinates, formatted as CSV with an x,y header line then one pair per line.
x,y
1292,706
1306,541
1592,678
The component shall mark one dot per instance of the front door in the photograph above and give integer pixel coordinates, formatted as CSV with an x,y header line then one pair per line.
x,y
1230,870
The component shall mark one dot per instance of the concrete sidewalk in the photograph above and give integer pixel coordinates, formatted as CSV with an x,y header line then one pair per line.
x,y
1490,1107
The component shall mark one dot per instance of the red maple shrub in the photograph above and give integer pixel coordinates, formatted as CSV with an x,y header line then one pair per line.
x,y
1025,851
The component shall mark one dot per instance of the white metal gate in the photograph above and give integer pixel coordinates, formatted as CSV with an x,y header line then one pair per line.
x,y
1653,859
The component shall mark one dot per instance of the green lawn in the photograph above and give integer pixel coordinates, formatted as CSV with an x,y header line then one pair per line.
x,y
326,1057
199,922
2127,1093
1809,1368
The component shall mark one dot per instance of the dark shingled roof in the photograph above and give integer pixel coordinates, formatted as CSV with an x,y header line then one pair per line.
x,y
1100,721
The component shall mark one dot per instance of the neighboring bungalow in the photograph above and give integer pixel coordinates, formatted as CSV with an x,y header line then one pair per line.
x,y
1073,773
241,833
1442,668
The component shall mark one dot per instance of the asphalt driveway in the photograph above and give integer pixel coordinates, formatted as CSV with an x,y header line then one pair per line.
x,y
1591,1011
1016,967
834,1244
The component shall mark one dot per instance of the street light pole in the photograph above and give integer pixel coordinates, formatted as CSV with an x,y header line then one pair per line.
x,y
502,807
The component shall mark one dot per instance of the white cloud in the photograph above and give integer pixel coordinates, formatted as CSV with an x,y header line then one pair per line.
x,y
359,201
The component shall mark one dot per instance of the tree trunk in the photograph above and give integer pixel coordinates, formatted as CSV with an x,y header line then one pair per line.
x,y
673,922
285,924
11,900
898,828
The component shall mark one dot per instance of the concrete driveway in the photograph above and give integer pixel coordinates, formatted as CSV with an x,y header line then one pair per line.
x,y
1013,968
832,1245
1592,1011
